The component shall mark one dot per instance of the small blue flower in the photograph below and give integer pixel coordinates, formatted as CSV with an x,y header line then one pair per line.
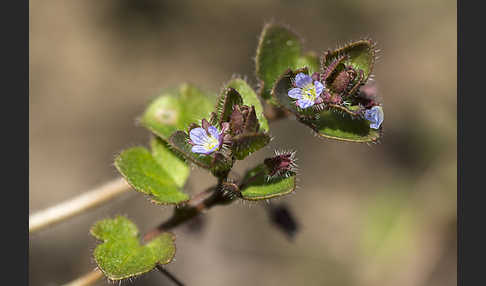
x,y
205,141
307,92
375,115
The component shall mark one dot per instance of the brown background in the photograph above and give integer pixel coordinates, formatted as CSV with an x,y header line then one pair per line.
x,y
381,214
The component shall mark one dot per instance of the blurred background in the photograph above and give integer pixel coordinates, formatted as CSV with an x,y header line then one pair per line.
x,y
381,214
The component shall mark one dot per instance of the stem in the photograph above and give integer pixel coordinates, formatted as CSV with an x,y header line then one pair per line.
x,y
195,206
87,279
84,202
169,275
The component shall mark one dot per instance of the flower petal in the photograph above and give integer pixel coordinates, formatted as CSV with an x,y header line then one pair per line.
x,y
198,136
375,115
301,80
319,87
295,93
214,132
200,149
304,103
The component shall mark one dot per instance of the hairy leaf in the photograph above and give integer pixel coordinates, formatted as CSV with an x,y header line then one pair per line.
x,y
146,175
173,164
278,49
360,55
340,126
247,143
176,110
258,185
121,256
310,61
226,101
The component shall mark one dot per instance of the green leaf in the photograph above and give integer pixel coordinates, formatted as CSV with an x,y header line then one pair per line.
x,y
257,185
337,125
361,55
247,143
250,98
147,176
278,49
121,256
338,122
175,110
175,166
228,98
310,61
217,164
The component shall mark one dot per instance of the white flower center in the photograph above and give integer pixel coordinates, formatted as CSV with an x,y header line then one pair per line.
x,y
309,92
211,143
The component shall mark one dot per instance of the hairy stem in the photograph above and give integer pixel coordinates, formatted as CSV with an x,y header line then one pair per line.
x,y
195,206
84,202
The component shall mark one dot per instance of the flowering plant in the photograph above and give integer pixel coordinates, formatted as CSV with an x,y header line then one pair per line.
x,y
331,95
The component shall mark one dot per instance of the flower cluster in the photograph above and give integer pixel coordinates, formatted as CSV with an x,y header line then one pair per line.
x,y
343,91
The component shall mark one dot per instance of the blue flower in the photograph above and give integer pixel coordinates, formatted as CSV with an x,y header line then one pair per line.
x,y
307,92
205,140
375,115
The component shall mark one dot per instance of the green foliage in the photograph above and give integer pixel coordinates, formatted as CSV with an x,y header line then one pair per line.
x,y
175,166
176,110
121,256
340,126
247,143
360,55
146,175
279,49
258,185
338,113
310,61
227,99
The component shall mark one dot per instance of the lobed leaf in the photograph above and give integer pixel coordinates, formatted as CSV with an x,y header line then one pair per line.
x,y
121,256
146,175
176,110
257,185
